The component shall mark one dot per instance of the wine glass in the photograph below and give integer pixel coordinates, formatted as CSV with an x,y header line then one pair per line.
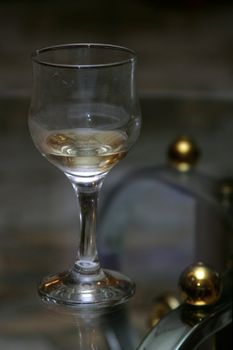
x,y
84,117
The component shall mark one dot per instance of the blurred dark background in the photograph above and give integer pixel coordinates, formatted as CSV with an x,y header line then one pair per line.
x,y
185,84
182,45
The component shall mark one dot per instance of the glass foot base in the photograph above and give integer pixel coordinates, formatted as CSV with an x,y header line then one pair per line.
x,y
70,288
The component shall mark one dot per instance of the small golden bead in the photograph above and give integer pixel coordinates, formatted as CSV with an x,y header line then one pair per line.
x,y
183,153
161,306
200,285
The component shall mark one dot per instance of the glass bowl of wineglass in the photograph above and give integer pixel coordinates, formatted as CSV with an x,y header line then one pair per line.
x,y
84,117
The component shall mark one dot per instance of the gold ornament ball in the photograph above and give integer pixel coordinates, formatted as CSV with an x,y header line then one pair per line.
x,y
200,285
161,306
183,153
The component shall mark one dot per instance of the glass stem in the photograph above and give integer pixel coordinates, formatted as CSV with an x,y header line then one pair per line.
x,y
87,257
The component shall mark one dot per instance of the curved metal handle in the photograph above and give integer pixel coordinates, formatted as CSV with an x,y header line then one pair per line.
x,y
190,325
174,333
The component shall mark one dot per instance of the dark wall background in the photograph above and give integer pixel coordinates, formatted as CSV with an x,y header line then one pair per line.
x,y
182,45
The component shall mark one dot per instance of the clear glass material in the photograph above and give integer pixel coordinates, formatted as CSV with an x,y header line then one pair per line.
x,y
84,117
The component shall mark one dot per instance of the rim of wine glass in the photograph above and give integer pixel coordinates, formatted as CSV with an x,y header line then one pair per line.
x,y
36,54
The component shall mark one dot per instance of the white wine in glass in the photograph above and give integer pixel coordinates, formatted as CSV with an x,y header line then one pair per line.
x,y
84,152
84,118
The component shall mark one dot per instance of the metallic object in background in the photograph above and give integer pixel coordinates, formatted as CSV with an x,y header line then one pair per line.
x,y
189,326
212,197
183,154
200,285
212,227
161,306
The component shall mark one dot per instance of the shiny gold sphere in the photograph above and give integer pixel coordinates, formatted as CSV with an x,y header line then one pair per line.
x,y
183,153
200,285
